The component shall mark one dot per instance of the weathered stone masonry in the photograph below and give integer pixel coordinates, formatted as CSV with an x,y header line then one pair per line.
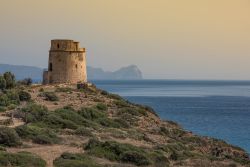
x,y
67,63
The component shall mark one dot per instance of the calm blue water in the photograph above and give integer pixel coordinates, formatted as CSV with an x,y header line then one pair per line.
x,y
219,109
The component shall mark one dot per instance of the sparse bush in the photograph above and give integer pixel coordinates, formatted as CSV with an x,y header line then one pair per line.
x,y
26,81
49,96
117,152
41,90
2,83
174,156
122,123
2,148
24,96
75,160
21,159
34,113
4,101
164,131
135,158
114,96
11,107
10,80
132,111
2,109
105,93
9,137
64,89
82,131
44,139
56,122
37,135
101,106
121,103
13,96
107,122
91,113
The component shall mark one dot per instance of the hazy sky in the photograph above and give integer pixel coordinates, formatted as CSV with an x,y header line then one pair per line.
x,y
170,39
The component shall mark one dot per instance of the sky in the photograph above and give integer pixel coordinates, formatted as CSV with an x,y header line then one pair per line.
x,y
166,39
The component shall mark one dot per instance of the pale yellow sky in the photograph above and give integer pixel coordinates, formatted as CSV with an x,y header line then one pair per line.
x,y
170,39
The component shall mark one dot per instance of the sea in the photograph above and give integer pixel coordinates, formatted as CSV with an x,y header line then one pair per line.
x,y
219,109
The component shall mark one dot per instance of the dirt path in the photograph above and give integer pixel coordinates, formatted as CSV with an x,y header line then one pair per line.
x,y
48,153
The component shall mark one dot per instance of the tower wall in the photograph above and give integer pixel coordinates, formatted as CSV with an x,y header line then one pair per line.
x,y
67,63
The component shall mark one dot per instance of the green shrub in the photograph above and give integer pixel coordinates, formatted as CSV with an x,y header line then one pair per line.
x,y
2,83
41,90
158,159
122,123
82,131
24,96
135,158
26,81
10,80
49,96
67,118
21,159
56,122
11,107
121,103
164,131
114,96
75,160
107,122
9,97
34,113
45,139
2,109
9,137
101,106
37,135
105,93
64,89
132,111
117,152
91,113
2,148
4,100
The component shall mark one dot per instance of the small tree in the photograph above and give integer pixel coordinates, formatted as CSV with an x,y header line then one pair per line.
x,y
2,83
10,80
26,81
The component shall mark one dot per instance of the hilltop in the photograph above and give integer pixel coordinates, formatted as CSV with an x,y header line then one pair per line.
x,y
66,126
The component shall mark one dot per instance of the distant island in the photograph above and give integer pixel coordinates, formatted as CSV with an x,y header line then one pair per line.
x,y
131,72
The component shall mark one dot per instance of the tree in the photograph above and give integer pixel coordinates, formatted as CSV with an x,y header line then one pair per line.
x,y
2,83
10,80
26,81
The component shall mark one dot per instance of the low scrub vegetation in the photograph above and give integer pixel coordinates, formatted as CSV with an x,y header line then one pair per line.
x,y
37,135
21,159
9,137
125,153
75,160
64,89
82,131
24,96
49,96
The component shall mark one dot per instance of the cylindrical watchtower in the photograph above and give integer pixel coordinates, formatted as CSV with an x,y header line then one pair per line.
x,y
67,63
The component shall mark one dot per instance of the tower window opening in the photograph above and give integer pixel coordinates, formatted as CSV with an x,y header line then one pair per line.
x,y
50,66
58,46
76,65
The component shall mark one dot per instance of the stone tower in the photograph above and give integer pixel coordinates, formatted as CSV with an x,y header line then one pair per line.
x,y
67,63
